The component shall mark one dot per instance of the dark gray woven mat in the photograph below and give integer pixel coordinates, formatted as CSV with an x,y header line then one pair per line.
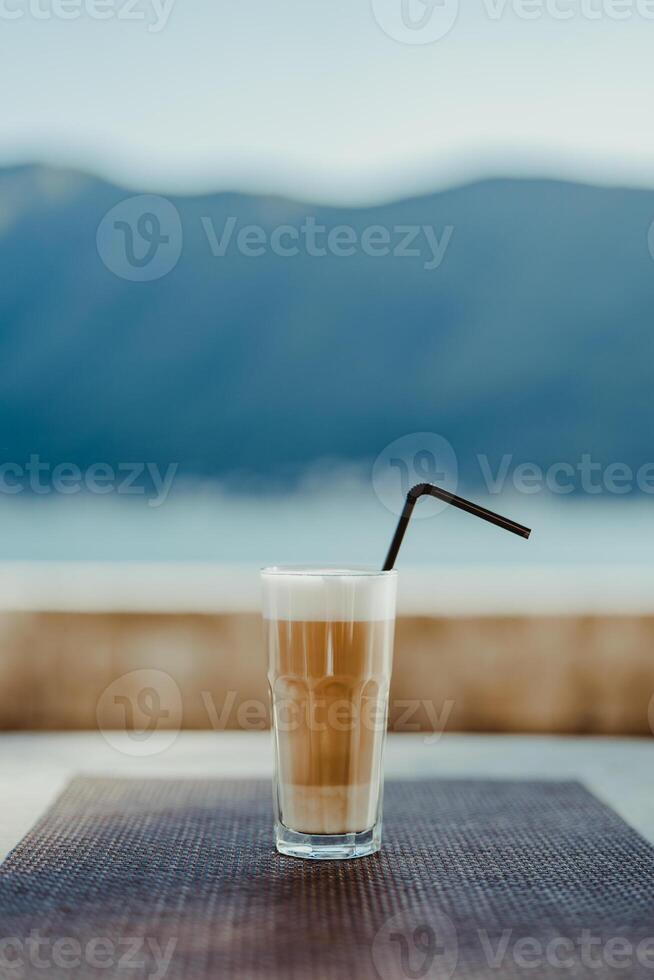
x,y
179,879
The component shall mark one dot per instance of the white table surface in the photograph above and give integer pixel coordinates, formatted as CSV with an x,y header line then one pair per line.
x,y
34,767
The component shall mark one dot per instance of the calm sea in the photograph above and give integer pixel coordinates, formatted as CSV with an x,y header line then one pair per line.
x,y
344,525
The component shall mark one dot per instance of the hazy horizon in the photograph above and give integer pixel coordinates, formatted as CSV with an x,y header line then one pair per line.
x,y
219,186
323,104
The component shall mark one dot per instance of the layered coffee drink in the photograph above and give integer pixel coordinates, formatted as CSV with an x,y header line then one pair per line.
x,y
330,646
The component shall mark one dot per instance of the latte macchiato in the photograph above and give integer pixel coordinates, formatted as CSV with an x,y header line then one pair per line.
x,y
330,644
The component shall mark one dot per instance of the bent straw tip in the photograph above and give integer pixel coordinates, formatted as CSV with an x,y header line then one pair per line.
x,y
418,490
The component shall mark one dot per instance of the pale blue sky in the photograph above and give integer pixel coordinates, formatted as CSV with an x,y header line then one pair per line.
x,y
315,100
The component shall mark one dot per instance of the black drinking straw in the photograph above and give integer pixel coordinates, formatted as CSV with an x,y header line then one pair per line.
x,y
420,490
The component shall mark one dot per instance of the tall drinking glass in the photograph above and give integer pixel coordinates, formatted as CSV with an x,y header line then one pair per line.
x,y
330,648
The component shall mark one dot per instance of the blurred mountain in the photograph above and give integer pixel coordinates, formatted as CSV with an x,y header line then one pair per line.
x,y
533,336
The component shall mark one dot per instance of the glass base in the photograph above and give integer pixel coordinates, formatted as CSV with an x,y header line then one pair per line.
x,y
327,847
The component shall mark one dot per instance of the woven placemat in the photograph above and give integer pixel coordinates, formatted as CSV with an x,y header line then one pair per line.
x,y
179,879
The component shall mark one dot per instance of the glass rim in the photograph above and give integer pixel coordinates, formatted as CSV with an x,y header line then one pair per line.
x,y
327,570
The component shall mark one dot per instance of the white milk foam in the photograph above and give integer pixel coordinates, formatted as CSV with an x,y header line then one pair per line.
x,y
328,594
